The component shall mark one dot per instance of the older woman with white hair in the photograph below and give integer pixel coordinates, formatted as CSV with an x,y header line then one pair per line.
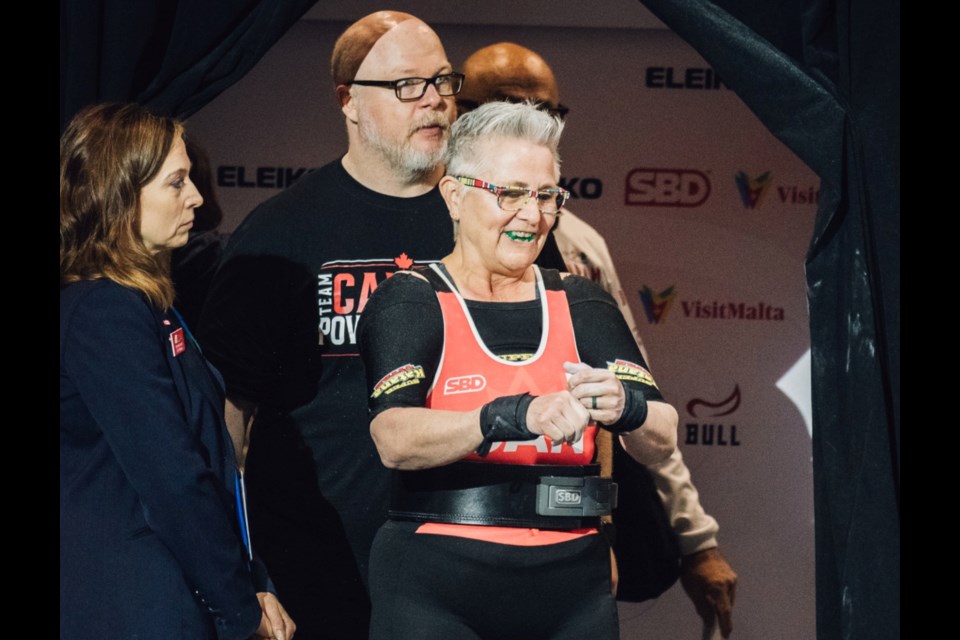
x,y
488,381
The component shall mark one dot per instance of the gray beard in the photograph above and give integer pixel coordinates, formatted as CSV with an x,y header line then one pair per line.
x,y
410,163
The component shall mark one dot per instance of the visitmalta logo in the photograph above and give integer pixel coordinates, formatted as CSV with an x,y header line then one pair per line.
x,y
717,310
657,305
753,190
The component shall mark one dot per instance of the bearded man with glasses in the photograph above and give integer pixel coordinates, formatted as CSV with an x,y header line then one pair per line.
x,y
281,317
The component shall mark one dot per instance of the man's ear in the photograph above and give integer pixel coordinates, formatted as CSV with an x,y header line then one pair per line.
x,y
347,104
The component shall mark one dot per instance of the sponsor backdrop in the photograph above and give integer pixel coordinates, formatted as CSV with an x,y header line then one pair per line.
x,y
707,217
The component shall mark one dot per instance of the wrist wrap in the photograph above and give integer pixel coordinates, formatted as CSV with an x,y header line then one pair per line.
x,y
505,419
634,412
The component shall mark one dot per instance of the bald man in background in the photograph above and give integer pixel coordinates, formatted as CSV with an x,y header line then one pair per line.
x,y
508,71
280,320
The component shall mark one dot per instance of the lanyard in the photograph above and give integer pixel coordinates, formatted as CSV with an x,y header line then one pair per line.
x,y
186,329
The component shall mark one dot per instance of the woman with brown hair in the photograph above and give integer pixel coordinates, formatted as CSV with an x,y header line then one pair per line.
x,y
151,545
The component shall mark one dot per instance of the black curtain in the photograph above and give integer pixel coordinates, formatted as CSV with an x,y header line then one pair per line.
x,y
173,56
824,77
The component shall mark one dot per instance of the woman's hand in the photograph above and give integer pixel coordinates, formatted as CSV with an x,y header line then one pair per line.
x,y
598,390
275,623
558,416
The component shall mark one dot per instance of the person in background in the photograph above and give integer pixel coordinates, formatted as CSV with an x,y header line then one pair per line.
x,y
192,266
281,316
151,538
488,381
508,71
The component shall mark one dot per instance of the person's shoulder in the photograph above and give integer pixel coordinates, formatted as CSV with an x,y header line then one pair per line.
x,y
576,233
100,292
580,289
405,297
574,223
284,216
404,287
102,303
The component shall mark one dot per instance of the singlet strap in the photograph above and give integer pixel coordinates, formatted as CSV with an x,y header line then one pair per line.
x,y
551,279
434,278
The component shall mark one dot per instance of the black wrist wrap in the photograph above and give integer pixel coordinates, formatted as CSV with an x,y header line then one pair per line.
x,y
634,412
505,419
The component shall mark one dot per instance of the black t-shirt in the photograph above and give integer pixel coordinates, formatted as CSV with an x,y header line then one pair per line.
x,y
280,323
403,324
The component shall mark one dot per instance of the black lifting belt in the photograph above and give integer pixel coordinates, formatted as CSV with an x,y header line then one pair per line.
x,y
509,495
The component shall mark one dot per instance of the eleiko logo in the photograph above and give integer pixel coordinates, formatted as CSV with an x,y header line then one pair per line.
x,y
753,190
258,177
657,305
586,188
682,78
647,187
700,408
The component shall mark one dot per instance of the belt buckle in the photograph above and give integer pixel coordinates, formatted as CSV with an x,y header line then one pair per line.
x,y
576,497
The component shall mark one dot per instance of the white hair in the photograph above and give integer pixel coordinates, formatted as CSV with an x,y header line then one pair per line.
x,y
511,121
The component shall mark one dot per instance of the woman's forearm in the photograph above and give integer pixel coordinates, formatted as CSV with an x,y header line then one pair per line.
x,y
657,439
417,438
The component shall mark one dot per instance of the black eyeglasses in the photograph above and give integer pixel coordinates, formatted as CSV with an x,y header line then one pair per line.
x,y
559,111
411,89
511,199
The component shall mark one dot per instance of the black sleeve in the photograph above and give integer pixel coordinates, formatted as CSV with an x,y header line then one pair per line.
x,y
401,341
259,326
603,338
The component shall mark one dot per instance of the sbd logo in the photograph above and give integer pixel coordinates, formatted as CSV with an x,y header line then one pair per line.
x,y
667,188
464,384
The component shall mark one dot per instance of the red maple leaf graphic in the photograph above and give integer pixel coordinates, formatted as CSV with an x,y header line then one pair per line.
x,y
403,261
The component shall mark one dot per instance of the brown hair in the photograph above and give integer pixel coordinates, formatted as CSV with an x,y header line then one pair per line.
x,y
108,153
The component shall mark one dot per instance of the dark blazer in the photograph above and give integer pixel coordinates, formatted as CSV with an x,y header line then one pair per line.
x,y
149,540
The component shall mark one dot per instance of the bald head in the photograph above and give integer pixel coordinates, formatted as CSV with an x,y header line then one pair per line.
x,y
395,146
508,71
355,43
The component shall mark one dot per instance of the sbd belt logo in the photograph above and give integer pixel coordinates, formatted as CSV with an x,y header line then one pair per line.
x,y
464,384
568,496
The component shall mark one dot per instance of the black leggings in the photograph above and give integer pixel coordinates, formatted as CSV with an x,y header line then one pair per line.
x,y
427,587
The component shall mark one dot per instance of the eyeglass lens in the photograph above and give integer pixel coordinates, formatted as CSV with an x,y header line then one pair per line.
x,y
415,88
513,200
